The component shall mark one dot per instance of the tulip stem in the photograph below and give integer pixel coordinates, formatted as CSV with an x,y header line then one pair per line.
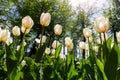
x,y
104,37
41,37
99,54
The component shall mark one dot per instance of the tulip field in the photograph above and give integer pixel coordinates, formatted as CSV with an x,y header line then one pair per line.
x,y
39,47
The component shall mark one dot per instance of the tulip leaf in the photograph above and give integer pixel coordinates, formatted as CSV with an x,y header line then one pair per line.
x,y
110,69
58,50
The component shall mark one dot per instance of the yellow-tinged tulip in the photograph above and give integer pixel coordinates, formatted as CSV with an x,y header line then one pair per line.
x,y
47,50
55,43
43,39
45,19
101,24
25,30
58,29
95,48
69,43
16,31
4,35
82,45
87,32
53,51
9,41
27,22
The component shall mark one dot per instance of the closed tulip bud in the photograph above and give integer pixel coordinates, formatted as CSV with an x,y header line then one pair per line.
x,y
27,22
90,39
18,47
118,36
24,30
23,63
62,56
47,50
87,32
53,51
69,43
98,41
95,48
45,19
58,29
82,45
16,31
4,35
55,44
101,24
9,41
43,39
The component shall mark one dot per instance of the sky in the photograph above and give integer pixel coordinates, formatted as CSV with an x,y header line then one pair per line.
x,y
97,6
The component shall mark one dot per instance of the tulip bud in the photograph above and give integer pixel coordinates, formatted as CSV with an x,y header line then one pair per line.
x,y
101,24
23,63
55,43
4,35
95,48
69,43
62,56
53,51
58,29
47,50
25,30
16,31
18,47
45,19
27,22
9,41
82,45
98,41
87,32
90,39
43,39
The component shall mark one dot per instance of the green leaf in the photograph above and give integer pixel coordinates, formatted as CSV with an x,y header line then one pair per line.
x,y
58,50
111,64
109,42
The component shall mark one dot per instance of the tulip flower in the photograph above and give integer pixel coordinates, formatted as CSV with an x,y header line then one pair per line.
x,y
101,24
90,39
9,41
27,22
95,48
23,63
58,29
45,19
18,47
16,31
82,45
53,51
43,39
118,36
87,32
4,35
47,50
69,43
55,44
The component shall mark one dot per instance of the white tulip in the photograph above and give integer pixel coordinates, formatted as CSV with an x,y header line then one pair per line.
x,y
27,22
95,48
58,29
23,63
9,41
4,35
101,24
18,47
55,43
43,39
16,31
69,43
87,32
45,19
53,51
82,45
47,50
